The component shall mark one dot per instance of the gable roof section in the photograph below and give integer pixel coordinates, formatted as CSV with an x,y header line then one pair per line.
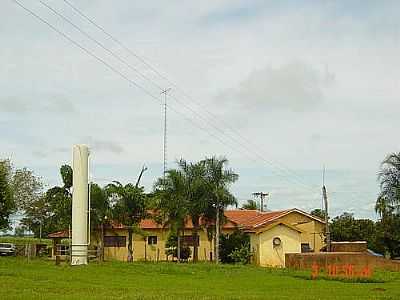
x,y
59,234
252,219
274,224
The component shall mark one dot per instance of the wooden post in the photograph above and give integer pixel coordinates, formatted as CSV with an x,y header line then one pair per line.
x,y
58,260
158,254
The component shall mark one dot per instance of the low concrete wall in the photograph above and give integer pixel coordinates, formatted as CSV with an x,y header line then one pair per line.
x,y
305,261
349,246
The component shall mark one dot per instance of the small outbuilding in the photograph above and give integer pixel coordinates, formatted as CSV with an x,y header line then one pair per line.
x,y
59,248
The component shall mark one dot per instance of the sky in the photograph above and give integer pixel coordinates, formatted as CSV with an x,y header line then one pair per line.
x,y
281,88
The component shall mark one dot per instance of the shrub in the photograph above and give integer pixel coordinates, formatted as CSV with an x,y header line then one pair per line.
x,y
233,242
172,248
241,255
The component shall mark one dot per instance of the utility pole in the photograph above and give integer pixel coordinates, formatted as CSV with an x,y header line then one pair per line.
x,y
261,195
325,197
165,132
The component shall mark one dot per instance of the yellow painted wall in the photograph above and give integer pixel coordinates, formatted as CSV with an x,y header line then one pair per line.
x,y
270,255
312,230
255,248
312,234
143,251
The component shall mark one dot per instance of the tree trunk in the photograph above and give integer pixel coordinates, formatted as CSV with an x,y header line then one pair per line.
x,y
102,243
194,238
130,251
179,247
217,236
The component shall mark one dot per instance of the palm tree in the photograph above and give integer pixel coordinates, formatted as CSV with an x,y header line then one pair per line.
x,y
196,195
219,179
172,203
60,199
129,208
100,211
389,177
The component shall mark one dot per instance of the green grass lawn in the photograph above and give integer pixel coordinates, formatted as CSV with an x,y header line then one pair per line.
x,y
39,279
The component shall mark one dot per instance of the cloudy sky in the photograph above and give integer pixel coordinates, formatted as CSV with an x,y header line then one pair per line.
x,y
280,88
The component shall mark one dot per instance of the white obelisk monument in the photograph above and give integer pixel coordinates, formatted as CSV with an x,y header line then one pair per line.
x,y
80,195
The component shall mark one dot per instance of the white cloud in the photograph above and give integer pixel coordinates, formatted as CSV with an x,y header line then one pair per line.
x,y
295,86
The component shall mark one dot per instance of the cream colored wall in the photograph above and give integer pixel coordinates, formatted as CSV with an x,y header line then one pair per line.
x,y
116,253
143,251
268,254
312,230
255,247
205,247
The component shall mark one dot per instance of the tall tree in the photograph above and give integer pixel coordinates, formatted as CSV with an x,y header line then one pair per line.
x,y
219,180
388,204
172,203
389,179
7,205
196,194
51,211
129,208
100,213
39,219
27,188
347,228
318,213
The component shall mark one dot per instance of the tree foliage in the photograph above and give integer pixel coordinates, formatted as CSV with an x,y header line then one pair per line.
x,y
129,208
388,205
171,246
7,204
346,228
251,205
232,247
318,213
51,211
27,188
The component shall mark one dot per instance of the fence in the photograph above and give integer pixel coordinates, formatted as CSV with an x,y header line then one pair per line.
x,y
32,250
63,252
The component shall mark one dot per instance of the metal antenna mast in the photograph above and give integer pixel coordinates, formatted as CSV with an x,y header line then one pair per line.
x,y
165,131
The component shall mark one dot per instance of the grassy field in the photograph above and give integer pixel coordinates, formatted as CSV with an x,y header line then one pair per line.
x,y
39,279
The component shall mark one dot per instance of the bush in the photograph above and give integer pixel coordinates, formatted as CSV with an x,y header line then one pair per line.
x,y
233,242
241,255
172,248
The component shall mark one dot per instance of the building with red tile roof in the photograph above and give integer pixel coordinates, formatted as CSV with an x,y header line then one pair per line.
x,y
272,235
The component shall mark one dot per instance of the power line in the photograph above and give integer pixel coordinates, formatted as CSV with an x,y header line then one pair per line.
x,y
244,146
100,44
214,117
269,162
109,66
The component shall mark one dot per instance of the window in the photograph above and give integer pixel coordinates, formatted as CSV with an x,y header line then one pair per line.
x,y
188,240
305,247
115,241
152,240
